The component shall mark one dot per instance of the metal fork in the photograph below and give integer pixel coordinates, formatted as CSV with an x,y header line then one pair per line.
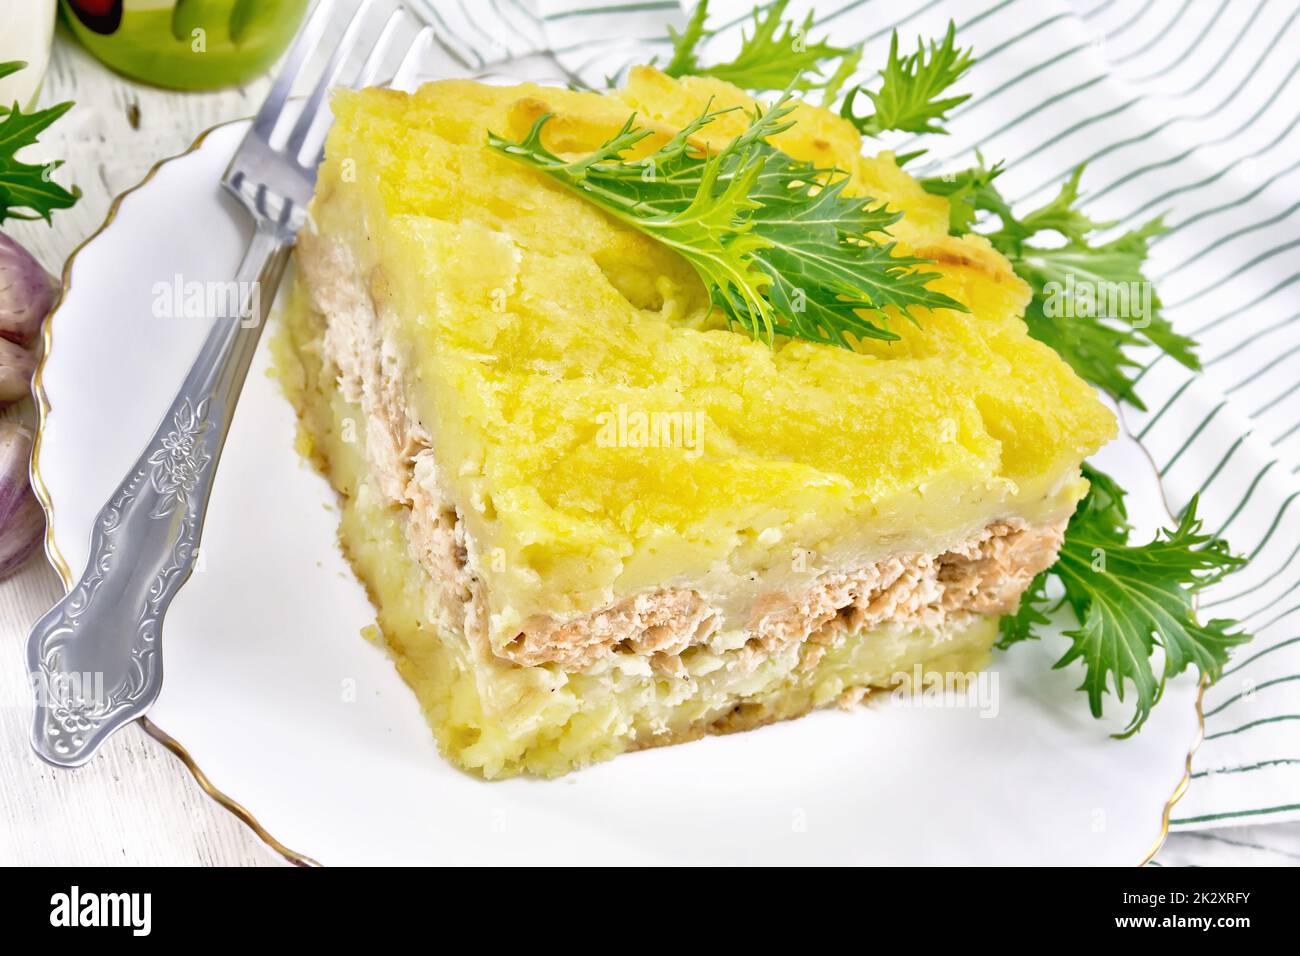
x,y
95,657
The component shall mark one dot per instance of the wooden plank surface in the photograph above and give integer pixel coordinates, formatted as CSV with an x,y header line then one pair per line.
x,y
134,803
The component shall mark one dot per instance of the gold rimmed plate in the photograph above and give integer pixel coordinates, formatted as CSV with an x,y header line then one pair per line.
x,y
303,728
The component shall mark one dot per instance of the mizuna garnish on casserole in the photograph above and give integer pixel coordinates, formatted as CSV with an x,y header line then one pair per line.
x,y
661,412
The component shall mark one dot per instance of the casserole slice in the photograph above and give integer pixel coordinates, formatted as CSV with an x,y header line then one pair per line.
x,y
592,518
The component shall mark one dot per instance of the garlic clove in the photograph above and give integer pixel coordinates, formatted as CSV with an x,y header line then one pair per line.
x,y
22,522
27,293
17,365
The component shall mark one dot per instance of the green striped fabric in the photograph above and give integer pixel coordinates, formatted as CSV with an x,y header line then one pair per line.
x,y
1184,108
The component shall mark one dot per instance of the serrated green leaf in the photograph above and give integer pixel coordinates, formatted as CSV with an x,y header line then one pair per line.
x,y
686,44
786,251
1092,303
775,54
1028,617
1130,599
911,91
969,192
26,189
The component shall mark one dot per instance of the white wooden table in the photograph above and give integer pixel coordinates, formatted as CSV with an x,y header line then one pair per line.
x,y
134,803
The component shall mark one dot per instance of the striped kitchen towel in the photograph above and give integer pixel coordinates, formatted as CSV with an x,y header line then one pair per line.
x,y
1181,108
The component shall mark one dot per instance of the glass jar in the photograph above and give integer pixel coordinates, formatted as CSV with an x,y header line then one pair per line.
x,y
186,44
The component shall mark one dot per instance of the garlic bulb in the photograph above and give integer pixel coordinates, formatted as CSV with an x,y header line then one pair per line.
x,y
27,293
16,367
21,519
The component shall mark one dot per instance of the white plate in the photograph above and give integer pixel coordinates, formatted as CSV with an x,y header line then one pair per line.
x,y
289,712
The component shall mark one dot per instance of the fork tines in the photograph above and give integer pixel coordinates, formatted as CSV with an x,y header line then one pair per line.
x,y
374,35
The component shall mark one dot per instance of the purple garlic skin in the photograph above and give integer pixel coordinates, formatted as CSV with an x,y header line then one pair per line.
x,y
16,367
27,293
22,522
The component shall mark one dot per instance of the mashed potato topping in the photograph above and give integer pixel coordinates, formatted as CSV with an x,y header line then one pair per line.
x,y
557,424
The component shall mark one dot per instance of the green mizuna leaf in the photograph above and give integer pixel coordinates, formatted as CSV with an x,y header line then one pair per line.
x,y
686,44
781,248
911,91
969,193
775,54
1127,600
1092,302
1029,616
26,189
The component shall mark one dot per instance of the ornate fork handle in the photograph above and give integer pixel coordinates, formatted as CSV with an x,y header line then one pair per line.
x,y
94,657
